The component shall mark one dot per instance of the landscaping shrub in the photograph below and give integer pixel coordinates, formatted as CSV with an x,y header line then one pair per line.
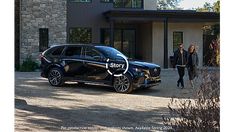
x,y
29,65
17,67
201,113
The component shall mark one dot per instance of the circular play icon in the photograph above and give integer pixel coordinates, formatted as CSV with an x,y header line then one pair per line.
x,y
117,68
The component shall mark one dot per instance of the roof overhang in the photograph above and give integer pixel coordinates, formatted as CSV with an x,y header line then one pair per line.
x,y
160,15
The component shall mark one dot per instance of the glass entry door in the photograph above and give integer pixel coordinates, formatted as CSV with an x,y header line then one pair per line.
x,y
125,41
129,43
118,39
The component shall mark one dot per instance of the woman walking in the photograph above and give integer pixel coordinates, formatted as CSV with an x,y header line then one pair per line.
x,y
192,63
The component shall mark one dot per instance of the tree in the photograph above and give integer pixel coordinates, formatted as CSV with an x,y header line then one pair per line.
x,y
216,6
213,30
207,7
167,4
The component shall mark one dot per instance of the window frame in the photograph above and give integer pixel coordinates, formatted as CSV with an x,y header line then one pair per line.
x,y
174,45
69,35
124,6
40,41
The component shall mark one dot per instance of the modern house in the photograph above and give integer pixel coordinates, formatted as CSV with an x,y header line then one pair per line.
x,y
135,27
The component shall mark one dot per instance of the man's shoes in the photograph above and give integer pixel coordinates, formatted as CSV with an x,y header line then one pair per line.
x,y
178,84
192,86
182,87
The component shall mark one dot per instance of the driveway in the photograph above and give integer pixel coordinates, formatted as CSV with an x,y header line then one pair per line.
x,y
41,107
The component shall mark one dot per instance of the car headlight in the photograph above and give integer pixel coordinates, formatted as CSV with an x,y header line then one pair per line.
x,y
137,69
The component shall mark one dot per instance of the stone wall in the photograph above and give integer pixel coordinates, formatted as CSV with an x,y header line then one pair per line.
x,y
37,14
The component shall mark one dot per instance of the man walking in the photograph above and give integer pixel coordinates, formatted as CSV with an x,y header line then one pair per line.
x,y
180,61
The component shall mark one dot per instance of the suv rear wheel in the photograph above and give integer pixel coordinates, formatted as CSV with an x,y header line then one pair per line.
x,y
123,84
55,77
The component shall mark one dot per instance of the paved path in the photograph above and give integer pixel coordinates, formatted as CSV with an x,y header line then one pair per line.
x,y
75,107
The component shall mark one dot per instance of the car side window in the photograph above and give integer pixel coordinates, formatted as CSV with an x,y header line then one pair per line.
x,y
73,52
58,51
92,54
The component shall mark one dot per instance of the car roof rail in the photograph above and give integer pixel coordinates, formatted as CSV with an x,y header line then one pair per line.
x,y
53,45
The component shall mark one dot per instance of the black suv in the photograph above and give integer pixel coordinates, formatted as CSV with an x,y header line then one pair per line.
x,y
86,63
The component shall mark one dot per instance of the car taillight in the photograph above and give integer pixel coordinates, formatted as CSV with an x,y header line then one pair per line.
x,y
40,56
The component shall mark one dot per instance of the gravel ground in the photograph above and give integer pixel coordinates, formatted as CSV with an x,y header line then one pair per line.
x,y
74,107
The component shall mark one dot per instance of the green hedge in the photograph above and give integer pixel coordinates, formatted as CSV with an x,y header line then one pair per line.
x,y
29,65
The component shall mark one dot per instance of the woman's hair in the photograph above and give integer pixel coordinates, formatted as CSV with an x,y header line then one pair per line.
x,y
192,45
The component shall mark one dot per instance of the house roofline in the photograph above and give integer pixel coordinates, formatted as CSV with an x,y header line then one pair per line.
x,y
171,15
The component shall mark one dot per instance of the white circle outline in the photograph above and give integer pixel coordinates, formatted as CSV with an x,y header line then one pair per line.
x,y
118,75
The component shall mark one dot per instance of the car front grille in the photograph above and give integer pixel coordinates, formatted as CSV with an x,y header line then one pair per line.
x,y
154,72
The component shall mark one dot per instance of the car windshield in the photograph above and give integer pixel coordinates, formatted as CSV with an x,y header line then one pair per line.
x,y
110,52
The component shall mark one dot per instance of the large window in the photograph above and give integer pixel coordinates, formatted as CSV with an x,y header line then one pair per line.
x,y
124,40
43,39
82,1
128,3
177,39
80,35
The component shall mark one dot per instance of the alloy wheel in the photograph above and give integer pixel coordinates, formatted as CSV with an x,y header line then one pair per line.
x,y
55,77
121,84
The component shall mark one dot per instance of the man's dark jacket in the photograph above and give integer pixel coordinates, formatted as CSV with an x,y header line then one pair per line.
x,y
180,59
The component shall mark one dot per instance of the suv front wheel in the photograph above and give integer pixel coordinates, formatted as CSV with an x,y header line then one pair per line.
x,y
123,84
55,77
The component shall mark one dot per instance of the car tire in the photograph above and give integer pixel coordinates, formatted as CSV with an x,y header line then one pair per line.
x,y
55,77
123,84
